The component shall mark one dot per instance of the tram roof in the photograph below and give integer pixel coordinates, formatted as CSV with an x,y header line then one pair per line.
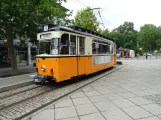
x,y
79,30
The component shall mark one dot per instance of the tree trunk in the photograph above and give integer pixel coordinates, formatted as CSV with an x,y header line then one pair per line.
x,y
11,51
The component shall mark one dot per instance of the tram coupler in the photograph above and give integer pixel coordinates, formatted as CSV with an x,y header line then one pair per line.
x,y
43,79
39,79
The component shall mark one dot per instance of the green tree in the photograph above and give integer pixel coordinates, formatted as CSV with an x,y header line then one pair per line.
x,y
158,43
125,36
148,36
86,18
126,27
118,38
24,18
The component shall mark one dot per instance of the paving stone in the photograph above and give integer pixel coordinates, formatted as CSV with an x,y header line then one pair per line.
x,y
113,97
86,109
123,103
153,108
106,105
139,100
74,118
127,95
137,112
47,114
92,93
64,103
94,116
78,94
87,88
150,118
156,98
83,100
118,90
116,114
65,112
106,92
159,116
153,91
140,93
99,98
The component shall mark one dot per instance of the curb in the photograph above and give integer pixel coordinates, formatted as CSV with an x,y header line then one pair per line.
x,y
14,86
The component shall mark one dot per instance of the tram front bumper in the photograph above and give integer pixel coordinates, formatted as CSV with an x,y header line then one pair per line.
x,y
42,78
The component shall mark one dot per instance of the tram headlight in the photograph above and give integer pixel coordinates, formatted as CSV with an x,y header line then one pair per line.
x,y
43,68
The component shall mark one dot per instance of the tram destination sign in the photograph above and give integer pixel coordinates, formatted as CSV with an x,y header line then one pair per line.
x,y
44,36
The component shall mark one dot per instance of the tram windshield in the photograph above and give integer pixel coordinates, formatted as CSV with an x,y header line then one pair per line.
x,y
50,47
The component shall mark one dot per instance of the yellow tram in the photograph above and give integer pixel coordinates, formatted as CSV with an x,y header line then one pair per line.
x,y
68,52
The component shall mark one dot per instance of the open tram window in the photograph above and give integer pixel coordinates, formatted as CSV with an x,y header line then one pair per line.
x,y
108,49
104,48
81,45
72,44
111,49
95,47
100,48
64,44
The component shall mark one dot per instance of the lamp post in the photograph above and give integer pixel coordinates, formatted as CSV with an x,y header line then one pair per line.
x,y
29,54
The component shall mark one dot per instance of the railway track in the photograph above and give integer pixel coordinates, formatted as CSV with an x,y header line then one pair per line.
x,y
26,101
17,91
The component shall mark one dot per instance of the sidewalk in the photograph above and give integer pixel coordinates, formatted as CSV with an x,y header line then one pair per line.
x,y
131,93
9,83
24,77
6,72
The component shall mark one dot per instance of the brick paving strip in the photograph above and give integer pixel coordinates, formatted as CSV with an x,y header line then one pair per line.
x,y
29,106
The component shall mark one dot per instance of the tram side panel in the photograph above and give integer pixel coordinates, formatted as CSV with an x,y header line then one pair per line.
x,y
89,66
70,67
102,62
67,68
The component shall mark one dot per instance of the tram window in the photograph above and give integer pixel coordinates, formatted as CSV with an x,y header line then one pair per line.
x,y
100,49
108,49
44,47
72,44
104,49
111,49
64,44
94,51
81,45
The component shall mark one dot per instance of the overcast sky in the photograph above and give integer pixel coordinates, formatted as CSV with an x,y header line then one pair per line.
x,y
115,12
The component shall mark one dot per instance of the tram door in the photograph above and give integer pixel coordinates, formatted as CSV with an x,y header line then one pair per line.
x,y
80,53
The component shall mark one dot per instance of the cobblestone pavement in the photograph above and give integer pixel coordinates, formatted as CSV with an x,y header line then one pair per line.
x,y
20,104
16,91
131,93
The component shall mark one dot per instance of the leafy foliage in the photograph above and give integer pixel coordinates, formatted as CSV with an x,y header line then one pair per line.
x,y
148,36
126,27
125,36
24,18
86,18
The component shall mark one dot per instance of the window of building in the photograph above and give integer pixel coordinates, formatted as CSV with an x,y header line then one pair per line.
x,y
81,45
64,47
72,44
